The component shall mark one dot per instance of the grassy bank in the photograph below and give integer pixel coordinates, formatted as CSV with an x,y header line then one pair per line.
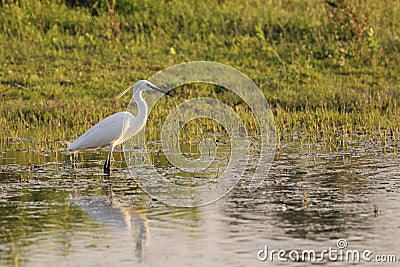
x,y
329,70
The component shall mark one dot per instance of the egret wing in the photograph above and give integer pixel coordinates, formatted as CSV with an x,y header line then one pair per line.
x,y
110,130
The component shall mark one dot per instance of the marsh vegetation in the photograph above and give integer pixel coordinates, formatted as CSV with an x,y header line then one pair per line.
x,y
329,69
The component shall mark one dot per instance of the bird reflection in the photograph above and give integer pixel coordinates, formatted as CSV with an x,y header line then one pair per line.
x,y
132,218
117,216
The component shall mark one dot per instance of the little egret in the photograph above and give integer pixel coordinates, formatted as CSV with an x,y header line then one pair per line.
x,y
119,127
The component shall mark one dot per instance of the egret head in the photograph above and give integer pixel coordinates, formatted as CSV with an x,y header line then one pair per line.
x,y
143,85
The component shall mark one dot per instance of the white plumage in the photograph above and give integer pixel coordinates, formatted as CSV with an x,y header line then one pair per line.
x,y
117,128
111,130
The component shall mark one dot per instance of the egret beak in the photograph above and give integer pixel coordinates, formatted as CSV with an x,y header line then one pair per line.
x,y
159,90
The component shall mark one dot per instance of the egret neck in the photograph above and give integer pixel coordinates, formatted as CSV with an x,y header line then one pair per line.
x,y
141,116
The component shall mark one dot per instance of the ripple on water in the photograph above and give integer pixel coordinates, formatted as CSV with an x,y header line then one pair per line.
x,y
57,212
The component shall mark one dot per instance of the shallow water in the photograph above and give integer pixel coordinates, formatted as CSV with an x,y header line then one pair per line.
x,y
55,213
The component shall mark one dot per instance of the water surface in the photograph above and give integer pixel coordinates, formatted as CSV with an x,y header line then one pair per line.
x,y
56,213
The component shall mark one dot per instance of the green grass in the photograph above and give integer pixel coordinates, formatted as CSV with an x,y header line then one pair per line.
x,y
328,73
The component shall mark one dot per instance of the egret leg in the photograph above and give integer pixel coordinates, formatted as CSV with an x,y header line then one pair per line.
x,y
72,158
107,168
108,161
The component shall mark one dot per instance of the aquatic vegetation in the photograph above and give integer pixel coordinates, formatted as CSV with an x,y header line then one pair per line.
x,y
326,79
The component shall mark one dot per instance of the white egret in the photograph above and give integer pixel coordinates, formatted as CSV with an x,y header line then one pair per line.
x,y
119,127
